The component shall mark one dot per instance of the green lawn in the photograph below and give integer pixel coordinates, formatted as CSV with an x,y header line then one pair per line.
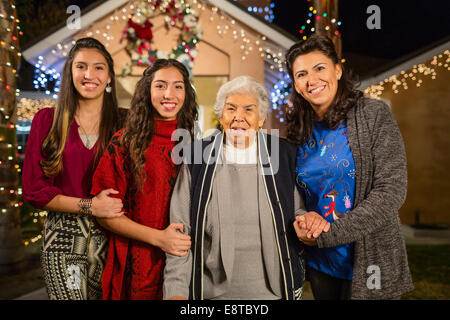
x,y
430,269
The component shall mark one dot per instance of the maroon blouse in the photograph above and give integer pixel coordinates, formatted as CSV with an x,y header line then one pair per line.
x,y
76,178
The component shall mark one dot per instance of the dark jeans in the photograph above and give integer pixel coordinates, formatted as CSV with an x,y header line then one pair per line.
x,y
325,287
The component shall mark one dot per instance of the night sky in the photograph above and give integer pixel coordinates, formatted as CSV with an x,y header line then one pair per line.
x,y
406,26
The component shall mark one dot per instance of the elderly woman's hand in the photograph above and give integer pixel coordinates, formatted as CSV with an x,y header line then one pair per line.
x,y
301,234
309,226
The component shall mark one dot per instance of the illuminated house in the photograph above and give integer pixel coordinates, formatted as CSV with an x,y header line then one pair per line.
x,y
232,42
417,89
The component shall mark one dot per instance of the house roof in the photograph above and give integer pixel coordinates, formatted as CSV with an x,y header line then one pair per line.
x,y
405,63
270,31
64,36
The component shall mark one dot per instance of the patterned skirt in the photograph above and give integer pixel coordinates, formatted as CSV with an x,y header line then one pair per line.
x,y
73,256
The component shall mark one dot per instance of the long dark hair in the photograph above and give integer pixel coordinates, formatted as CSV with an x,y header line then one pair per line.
x,y
139,126
301,117
66,106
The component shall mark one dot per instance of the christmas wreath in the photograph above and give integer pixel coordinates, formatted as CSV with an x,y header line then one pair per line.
x,y
139,35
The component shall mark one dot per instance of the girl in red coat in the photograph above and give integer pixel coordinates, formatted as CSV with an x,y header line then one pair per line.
x,y
138,164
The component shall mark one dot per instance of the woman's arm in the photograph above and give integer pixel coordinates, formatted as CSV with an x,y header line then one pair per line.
x,y
389,180
171,240
38,189
41,192
103,205
307,225
112,173
177,272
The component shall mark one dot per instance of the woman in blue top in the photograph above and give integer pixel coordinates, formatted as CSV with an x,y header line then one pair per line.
x,y
351,170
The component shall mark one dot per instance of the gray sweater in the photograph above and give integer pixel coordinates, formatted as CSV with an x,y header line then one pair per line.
x,y
220,237
380,262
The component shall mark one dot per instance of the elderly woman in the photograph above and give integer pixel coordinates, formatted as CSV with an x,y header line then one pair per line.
x,y
238,204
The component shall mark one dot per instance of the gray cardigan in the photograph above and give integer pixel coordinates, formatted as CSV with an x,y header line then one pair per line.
x,y
380,262
219,234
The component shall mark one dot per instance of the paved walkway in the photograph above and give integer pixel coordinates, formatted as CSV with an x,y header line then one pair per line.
x,y
412,236
425,236
39,294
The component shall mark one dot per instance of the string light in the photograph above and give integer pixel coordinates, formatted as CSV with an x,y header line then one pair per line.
x,y
404,79
266,12
46,80
27,108
226,23
8,90
280,95
313,15
14,20
5,45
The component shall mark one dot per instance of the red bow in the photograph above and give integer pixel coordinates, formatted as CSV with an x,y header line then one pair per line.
x,y
143,32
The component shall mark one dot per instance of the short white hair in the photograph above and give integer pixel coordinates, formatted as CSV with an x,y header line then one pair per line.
x,y
242,85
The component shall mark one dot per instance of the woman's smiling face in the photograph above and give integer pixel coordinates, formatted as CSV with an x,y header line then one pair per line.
x,y
316,79
167,93
90,73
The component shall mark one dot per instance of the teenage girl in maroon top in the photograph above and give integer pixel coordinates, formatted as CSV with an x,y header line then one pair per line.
x,y
138,164
63,149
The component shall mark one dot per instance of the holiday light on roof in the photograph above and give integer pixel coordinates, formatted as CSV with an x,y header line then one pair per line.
x,y
225,25
411,77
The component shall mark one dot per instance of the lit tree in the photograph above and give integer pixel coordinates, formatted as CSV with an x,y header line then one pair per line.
x,y
330,7
11,247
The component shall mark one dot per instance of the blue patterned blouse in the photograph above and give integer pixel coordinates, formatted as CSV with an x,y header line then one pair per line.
x,y
326,177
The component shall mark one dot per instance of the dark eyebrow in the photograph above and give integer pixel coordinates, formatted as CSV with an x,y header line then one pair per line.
x,y
82,62
313,67
164,81
319,64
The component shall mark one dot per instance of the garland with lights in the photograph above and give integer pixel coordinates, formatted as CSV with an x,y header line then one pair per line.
x,y
14,209
400,81
225,24
313,15
139,34
10,23
11,203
